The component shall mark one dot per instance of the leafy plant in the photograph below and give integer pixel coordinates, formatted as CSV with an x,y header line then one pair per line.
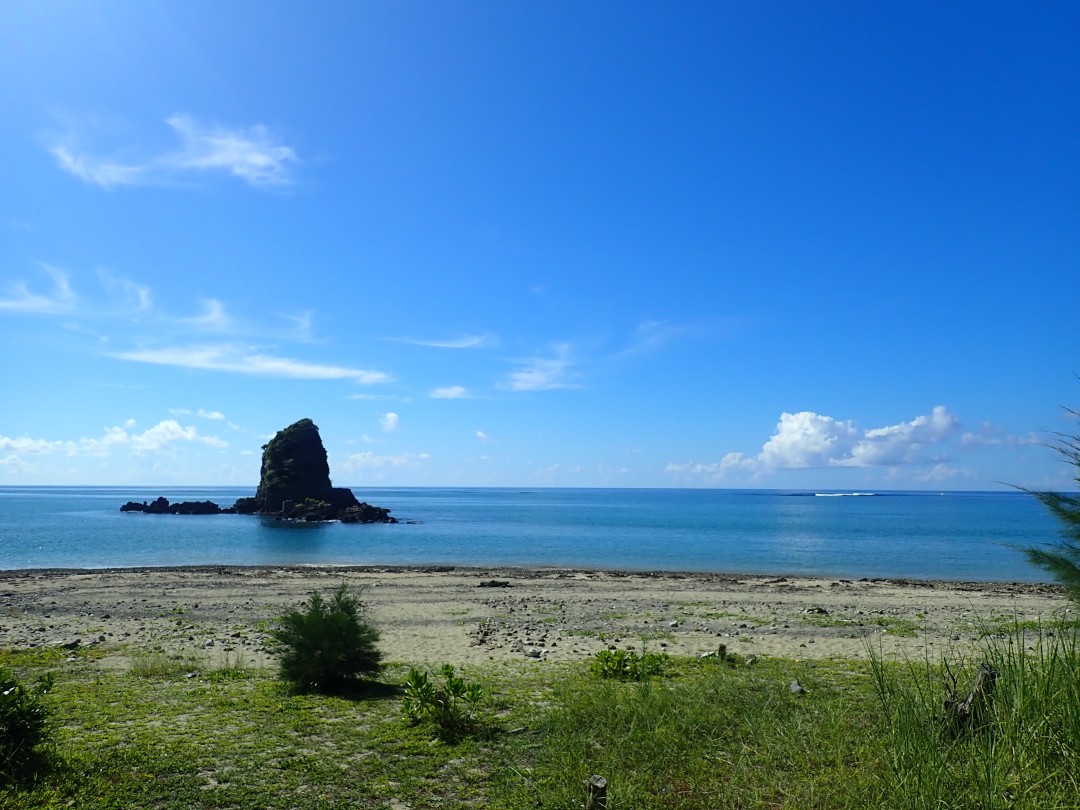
x,y
627,665
22,722
451,705
327,646
1063,560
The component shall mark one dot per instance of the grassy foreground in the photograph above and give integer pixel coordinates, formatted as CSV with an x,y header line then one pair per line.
x,y
170,733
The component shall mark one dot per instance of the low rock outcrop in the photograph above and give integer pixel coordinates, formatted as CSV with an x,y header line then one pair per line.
x,y
294,485
161,506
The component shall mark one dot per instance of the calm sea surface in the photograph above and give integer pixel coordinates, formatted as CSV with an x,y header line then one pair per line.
x,y
960,536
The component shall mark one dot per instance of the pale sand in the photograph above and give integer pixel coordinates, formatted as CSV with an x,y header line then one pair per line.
x,y
431,616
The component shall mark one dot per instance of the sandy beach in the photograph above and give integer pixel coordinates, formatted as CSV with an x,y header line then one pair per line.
x,y
475,616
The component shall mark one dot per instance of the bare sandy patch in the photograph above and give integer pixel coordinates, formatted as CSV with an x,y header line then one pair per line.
x,y
470,616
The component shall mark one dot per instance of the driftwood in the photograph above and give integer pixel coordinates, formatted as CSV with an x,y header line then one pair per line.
x,y
962,713
596,793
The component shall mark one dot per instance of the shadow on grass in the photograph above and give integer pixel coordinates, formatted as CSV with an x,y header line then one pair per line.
x,y
358,691
37,766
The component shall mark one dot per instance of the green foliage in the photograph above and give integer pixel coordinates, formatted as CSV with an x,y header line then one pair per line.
x,y
22,722
326,647
627,665
451,705
1063,560
1024,749
294,466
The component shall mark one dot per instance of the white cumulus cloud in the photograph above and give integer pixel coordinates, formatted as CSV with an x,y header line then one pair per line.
x,y
390,422
810,440
112,439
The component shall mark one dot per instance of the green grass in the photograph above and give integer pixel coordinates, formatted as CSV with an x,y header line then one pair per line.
x,y
704,734
1024,749
1004,625
898,626
708,736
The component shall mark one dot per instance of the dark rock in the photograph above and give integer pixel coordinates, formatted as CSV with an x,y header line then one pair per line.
x,y
195,508
366,513
294,485
246,506
161,506
494,583
294,468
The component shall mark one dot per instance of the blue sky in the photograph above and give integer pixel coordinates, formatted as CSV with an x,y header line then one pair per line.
x,y
818,245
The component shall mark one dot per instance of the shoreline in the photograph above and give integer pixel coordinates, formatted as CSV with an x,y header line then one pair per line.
x,y
535,572
472,616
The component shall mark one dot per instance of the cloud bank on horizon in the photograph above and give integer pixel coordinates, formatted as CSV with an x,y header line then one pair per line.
x,y
568,246
930,444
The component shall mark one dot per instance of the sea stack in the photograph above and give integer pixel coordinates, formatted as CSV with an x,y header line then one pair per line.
x,y
294,485
295,482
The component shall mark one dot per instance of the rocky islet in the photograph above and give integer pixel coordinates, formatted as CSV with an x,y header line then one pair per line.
x,y
294,484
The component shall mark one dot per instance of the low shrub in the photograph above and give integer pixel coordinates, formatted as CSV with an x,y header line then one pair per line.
x,y
451,705
326,646
627,665
23,719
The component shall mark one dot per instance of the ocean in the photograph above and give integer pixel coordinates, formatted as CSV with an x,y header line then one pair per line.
x,y
915,535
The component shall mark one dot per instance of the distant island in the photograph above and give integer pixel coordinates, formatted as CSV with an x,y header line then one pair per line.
x,y
294,485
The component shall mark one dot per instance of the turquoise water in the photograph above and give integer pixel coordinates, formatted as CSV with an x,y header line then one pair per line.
x,y
959,536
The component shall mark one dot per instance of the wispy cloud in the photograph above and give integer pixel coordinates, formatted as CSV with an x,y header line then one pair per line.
x,y
371,460
653,336
61,299
464,342
245,360
989,435
132,295
482,436
252,154
450,392
542,373
202,413
301,324
390,422
212,318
